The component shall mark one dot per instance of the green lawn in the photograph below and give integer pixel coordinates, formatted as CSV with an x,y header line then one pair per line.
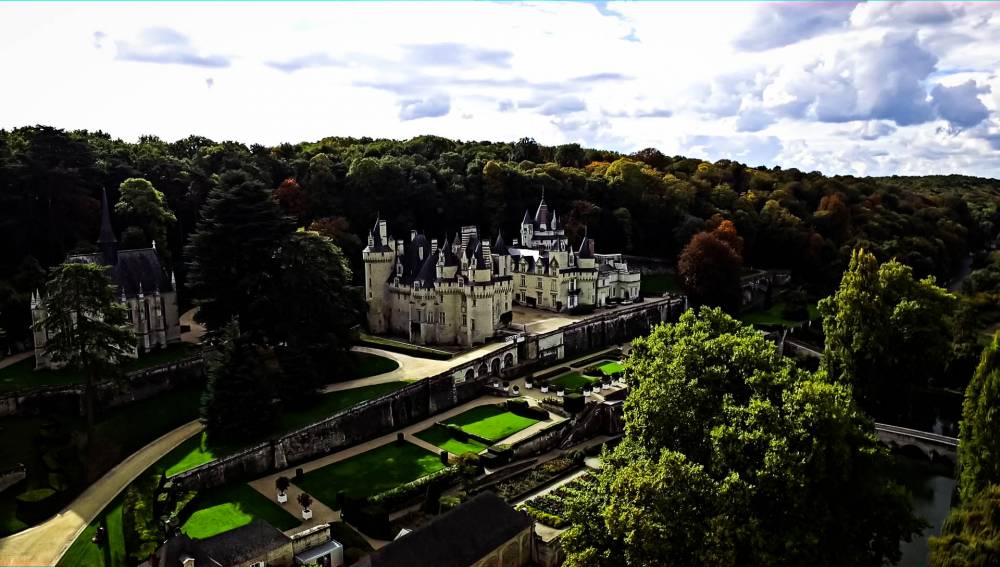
x,y
200,450
774,317
224,509
84,552
366,364
440,437
658,284
491,422
572,381
23,374
610,367
371,472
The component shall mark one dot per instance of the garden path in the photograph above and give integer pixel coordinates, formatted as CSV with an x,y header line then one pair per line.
x,y
15,358
46,543
197,329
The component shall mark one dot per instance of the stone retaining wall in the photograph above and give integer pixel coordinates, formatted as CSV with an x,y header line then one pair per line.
x,y
416,402
11,476
138,385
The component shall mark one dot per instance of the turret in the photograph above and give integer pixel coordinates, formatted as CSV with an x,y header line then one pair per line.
x,y
527,230
380,258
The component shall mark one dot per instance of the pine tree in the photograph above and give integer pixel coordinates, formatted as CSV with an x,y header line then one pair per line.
x,y
87,327
238,402
231,254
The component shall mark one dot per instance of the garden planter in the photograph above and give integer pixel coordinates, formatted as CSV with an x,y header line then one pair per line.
x,y
528,385
561,393
545,389
307,514
282,498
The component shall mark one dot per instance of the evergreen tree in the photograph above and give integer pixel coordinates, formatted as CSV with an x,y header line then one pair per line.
x,y
238,402
87,327
231,255
979,443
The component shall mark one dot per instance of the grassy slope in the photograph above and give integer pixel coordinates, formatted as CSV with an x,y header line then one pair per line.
x,y
491,422
233,506
83,552
23,374
371,472
440,437
773,316
658,284
200,450
366,364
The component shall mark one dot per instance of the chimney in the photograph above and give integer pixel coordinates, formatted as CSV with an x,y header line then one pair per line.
x,y
434,245
413,235
383,231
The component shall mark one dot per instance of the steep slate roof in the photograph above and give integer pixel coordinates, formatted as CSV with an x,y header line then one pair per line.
x,y
228,548
134,268
542,214
585,250
458,538
377,244
500,248
527,217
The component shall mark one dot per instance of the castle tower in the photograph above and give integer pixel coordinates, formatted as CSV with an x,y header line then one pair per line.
x,y
379,258
40,336
527,230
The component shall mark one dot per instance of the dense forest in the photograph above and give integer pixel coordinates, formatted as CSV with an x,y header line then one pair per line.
x,y
646,204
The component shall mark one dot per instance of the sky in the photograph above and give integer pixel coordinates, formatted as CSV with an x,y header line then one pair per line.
x,y
876,88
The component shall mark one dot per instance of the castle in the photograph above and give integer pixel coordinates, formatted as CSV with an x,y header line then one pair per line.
x,y
461,291
142,284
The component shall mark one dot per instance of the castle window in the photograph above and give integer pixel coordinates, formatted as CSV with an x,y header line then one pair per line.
x,y
442,317
522,281
538,283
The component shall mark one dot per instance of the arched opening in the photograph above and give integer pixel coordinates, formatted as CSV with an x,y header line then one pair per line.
x,y
481,370
508,360
495,367
469,374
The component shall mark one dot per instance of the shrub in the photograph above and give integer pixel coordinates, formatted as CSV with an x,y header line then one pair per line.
x,y
305,500
573,403
506,317
457,432
405,493
141,530
446,503
543,517
372,520
521,408
282,483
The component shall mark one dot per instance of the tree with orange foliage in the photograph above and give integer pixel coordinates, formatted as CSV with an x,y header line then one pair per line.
x,y
709,267
292,198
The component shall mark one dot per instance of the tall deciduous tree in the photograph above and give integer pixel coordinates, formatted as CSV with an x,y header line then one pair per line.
x,y
710,266
970,536
231,255
886,333
87,327
238,402
979,443
147,210
733,456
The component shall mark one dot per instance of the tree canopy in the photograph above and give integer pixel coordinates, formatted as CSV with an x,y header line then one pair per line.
x,y
710,267
87,327
979,440
734,456
887,332
147,211
970,536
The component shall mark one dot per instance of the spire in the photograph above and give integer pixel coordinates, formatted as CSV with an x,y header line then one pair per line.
x,y
542,214
107,241
555,221
527,217
173,281
500,247
586,248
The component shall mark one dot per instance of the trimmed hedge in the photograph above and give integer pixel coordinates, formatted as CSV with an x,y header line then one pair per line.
x,y
544,517
405,493
372,519
457,432
522,409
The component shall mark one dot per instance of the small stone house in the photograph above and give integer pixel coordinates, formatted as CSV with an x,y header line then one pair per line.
x,y
257,544
483,532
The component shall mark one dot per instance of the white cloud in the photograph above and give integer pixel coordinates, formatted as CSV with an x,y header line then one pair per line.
x,y
874,88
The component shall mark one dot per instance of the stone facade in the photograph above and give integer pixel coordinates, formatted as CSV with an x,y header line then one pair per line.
x,y
143,287
456,291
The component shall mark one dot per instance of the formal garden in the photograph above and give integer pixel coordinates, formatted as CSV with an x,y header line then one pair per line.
x,y
491,422
549,508
445,438
576,381
222,509
369,473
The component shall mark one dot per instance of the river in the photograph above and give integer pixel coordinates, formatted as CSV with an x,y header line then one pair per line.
x,y
931,487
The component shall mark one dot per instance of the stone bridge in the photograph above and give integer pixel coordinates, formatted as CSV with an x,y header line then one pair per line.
x,y
935,447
